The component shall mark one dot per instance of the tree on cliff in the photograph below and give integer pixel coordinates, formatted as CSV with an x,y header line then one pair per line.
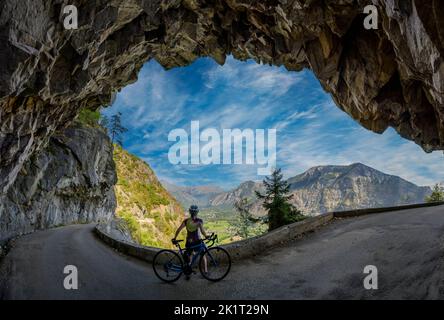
x,y
276,201
115,128
104,122
437,194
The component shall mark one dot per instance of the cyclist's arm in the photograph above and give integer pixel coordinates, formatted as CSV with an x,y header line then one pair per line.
x,y
202,230
179,229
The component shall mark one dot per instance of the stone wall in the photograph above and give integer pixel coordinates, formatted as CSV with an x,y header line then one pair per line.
x,y
238,250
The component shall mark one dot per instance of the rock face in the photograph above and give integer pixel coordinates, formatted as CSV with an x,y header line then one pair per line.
x,y
70,181
337,188
392,76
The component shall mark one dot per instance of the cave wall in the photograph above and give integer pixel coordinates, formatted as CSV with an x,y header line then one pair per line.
x,y
393,76
70,181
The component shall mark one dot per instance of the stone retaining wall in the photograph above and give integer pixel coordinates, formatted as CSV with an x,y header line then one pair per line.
x,y
250,247
361,212
238,250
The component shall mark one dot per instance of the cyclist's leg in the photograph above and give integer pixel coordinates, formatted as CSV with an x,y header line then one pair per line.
x,y
189,252
193,253
190,247
205,264
202,250
186,255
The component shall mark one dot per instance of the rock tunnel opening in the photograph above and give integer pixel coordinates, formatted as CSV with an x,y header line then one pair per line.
x,y
42,90
312,134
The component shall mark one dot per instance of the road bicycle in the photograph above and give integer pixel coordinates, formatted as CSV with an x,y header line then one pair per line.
x,y
214,262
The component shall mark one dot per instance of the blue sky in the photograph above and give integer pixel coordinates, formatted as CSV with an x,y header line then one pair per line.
x,y
311,130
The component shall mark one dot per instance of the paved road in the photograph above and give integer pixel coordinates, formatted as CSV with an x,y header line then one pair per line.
x,y
406,246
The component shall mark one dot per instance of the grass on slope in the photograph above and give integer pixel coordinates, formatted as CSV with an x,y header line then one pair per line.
x,y
89,118
151,213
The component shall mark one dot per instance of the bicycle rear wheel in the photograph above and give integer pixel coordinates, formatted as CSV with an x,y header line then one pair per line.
x,y
167,265
218,264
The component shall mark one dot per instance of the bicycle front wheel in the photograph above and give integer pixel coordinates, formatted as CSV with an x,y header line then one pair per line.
x,y
167,265
215,264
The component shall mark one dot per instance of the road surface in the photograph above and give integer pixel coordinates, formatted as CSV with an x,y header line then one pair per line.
x,y
406,247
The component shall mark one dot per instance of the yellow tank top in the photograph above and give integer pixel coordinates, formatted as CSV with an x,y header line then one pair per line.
x,y
192,227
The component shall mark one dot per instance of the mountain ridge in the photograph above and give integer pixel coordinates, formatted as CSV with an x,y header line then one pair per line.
x,y
328,188
188,195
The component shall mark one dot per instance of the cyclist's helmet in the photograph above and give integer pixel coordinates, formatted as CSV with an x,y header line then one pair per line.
x,y
194,210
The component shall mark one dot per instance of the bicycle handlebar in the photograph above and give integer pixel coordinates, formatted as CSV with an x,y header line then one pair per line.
x,y
212,238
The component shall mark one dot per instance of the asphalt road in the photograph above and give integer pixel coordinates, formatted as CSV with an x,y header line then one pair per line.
x,y
405,246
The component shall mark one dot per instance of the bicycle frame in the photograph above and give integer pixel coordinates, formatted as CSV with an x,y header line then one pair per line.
x,y
204,254
202,249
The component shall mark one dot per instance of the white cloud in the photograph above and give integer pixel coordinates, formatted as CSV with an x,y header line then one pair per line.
x,y
297,115
154,99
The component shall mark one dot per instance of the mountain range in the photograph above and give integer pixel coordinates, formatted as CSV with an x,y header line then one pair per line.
x,y
199,195
318,190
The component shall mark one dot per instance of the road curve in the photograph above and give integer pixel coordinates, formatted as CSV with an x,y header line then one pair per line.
x,y
406,247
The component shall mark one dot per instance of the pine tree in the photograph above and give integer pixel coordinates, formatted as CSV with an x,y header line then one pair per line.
x,y
276,201
104,122
437,194
244,222
116,129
